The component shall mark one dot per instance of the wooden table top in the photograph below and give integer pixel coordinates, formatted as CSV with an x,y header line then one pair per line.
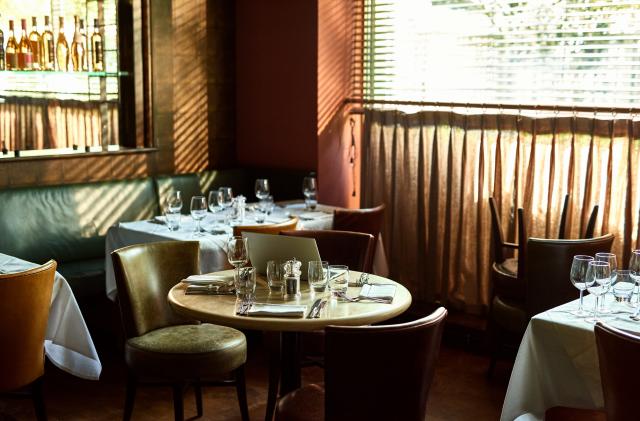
x,y
221,309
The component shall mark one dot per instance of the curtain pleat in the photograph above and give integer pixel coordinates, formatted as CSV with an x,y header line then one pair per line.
x,y
436,170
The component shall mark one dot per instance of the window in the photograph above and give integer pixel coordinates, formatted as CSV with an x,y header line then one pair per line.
x,y
546,52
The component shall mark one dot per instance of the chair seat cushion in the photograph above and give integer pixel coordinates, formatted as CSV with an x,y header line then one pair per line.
x,y
509,266
507,285
304,404
509,315
187,351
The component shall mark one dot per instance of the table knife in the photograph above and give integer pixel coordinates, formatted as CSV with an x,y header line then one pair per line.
x,y
313,308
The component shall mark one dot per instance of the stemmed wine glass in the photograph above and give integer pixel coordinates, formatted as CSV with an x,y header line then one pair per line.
x,y
634,271
213,201
309,189
598,281
262,188
198,211
613,264
578,276
238,253
225,197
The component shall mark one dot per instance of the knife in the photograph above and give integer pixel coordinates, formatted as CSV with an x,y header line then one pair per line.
x,y
313,308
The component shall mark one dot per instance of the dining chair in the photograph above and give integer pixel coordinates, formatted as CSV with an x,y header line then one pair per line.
x,y
591,223
289,224
369,220
620,376
354,249
162,344
24,312
381,372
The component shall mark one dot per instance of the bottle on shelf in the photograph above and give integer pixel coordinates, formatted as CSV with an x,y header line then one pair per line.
x,y
11,52
36,44
97,56
47,54
77,47
1,50
25,55
62,48
85,45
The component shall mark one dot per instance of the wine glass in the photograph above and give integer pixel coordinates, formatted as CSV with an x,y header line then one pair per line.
x,y
198,210
578,279
598,281
238,253
613,263
634,271
213,201
262,188
174,202
225,197
309,189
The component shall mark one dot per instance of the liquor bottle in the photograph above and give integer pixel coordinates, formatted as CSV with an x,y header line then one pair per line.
x,y
36,44
62,48
77,47
83,35
97,57
12,50
25,55
1,50
47,56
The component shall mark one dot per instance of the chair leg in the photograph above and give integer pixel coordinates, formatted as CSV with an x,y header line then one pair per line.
x,y
38,399
130,396
241,388
197,388
178,406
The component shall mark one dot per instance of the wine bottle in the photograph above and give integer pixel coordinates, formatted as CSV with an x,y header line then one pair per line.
x,y
25,55
85,46
97,57
77,47
47,56
12,50
62,48
36,44
1,50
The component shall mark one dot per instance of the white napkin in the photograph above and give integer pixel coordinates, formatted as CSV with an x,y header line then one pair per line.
x,y
277,310
209,279
312,215
386,291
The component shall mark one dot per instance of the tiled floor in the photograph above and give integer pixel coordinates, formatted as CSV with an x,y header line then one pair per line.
x,y
460,391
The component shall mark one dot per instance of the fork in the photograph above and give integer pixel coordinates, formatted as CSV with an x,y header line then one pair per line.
x,y
359,298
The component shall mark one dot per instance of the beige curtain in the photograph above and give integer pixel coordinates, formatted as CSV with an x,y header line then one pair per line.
x,y
30,123
435,171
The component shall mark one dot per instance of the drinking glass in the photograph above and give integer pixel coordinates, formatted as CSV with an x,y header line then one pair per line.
x,y
245,283
225,197
309,189
613,264
634,271
623,286
598,281
317,275
267,205
262,188
174,201
198,210
172,219
213,201
578,279
338,279
274,276
237,252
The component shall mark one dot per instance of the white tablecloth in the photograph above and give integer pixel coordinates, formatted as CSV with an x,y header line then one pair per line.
x,y
68,342
557,362
212,246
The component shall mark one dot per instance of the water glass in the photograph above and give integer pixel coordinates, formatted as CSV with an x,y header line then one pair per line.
x,y
174,201
198,211
634,270
172,219
245,283
613,264
338,279
623,286
267,205
578,276
317,275
309,189
598,281
262,188
275,275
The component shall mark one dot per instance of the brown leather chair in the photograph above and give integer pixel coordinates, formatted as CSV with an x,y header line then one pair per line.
x,y
24,312
591,223
368,220
161,344
618,352
389,379
290,224
354,249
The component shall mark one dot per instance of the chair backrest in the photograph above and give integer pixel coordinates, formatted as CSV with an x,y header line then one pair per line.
x,y
497,236
381,372
144,275
24,312
618,352
548,264
591,224
359,220
354,249
289,224
563,217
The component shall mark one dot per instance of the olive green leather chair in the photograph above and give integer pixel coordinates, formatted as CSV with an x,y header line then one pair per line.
x,y
160,343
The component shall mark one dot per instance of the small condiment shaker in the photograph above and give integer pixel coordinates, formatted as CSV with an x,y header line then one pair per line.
x,y
292,274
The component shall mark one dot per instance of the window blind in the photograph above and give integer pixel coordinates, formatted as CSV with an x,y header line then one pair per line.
x,y
546,52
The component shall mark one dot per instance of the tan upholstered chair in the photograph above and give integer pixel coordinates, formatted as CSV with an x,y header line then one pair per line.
x,y
290,224
404,357
24,311
161,344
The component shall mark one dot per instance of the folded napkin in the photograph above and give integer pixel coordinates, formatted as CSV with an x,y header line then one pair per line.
x,y
209,279
385,291
312,215
277,310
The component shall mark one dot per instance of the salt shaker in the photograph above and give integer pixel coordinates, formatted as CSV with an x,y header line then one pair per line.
x,y
292,274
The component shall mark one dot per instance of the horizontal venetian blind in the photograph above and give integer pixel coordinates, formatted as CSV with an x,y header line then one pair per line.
x,y
554,52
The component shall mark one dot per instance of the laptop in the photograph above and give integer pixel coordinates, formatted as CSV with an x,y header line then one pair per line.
x,y
265,247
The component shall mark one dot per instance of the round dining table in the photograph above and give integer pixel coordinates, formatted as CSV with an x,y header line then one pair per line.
x,y
284,367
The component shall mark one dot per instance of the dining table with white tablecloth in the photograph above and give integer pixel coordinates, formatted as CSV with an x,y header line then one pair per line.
x,y
68,344
557,362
